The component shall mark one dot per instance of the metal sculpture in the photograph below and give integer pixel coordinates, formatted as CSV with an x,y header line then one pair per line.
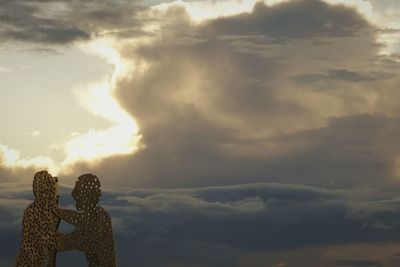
x,y
39,223
93,233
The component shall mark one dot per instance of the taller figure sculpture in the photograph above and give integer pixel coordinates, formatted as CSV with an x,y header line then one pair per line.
x,y
39,224
93,234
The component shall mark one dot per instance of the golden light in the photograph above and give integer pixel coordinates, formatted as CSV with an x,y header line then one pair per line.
x,y
121,138
11,158
204,10
98,98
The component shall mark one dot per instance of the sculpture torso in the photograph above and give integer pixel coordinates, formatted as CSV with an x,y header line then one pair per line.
x,y
93,235
39,225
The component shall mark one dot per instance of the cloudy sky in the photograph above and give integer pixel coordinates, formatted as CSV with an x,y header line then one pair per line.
x,y
224,132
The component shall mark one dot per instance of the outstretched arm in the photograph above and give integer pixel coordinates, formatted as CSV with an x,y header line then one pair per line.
x,y
70,216
68,241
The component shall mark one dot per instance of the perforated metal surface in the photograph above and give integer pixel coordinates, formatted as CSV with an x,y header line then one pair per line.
x,y
93,233
38,245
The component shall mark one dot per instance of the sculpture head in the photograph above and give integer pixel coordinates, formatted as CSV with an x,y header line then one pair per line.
x,y
86,192
45,187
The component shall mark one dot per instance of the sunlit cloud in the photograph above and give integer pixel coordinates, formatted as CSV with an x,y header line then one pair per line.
x,y
123,137
200,11
93,145
11,158
98,97
36,134
204,10
386,19
365,7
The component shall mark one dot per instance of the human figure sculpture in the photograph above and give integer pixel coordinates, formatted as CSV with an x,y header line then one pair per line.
x,y
93,230
38,245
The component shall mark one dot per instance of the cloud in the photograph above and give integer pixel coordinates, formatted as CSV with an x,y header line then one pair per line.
x,y
220,210
297,19
336,75
11,161
356,263
26,21
217,104
63,22
221,226
232,99
374,254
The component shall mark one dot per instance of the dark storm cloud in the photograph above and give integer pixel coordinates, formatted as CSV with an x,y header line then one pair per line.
x,y
216,226
296,19
53,34
357,263
335,75
349,151
62,22
23,21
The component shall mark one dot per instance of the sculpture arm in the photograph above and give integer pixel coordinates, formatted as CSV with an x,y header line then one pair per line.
x,y
66,242
70,216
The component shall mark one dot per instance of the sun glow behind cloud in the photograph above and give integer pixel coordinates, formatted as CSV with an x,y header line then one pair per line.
x,y
204,10
122,137
11,158
98,98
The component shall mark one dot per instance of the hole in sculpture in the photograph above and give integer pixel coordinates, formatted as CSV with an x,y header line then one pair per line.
x,y
65,228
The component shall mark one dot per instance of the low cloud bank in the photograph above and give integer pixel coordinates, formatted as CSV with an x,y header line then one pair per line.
x,y
217,226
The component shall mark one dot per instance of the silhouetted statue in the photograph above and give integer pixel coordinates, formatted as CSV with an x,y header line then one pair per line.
x,y
93,234
40,224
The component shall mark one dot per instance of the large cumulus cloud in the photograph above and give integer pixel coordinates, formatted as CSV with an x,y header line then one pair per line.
x,y
261,96
270,95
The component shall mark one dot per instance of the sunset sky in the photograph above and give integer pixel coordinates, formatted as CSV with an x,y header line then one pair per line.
x,y
225,133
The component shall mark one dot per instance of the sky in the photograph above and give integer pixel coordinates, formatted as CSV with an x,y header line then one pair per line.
x,y
224,132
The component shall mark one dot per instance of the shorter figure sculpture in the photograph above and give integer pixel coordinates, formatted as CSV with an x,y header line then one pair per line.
x,y
40,224
93,234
